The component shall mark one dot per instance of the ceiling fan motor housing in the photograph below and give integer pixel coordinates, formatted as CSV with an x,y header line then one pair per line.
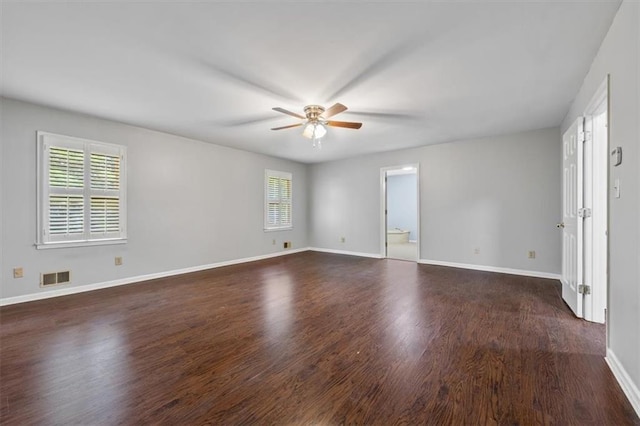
x,y
313,112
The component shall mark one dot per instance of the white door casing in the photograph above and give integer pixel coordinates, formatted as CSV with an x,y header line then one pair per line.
x,y
572,233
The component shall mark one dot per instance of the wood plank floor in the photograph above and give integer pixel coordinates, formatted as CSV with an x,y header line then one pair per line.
x,y
309,338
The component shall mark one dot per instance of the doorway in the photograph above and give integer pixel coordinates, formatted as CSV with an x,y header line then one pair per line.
x,y
585,211
400,212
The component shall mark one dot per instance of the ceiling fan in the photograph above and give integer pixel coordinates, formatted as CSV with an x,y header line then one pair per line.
x,y
316,120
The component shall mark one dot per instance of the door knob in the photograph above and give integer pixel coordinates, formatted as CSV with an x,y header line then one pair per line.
x,y
560,225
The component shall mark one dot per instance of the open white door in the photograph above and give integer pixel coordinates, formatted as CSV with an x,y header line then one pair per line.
x,y
596,161
572,193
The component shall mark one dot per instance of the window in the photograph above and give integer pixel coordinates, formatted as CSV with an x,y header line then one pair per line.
x,y
81,192
277,206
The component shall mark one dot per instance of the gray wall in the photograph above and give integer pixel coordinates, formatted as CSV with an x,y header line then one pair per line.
x,y
619,57
180,192
402,203
498,194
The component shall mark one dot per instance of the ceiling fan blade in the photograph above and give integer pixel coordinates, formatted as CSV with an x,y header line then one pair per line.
x,y
284,111
347,124
287,127
335,109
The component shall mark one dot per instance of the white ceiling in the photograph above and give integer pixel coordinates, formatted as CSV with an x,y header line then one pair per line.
x,y
414,73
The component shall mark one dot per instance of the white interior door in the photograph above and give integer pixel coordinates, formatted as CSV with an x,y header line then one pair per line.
x,y
572,233
595,190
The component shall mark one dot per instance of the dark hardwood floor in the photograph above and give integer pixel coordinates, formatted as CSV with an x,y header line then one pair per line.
x,y
309,338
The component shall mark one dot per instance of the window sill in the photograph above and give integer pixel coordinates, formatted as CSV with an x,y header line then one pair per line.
x,y
70,244
288,228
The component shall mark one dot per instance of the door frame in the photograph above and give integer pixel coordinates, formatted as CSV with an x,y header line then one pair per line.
x,y
383,206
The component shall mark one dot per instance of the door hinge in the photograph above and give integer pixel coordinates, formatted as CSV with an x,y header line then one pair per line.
x,y
584,212
587,136
584,289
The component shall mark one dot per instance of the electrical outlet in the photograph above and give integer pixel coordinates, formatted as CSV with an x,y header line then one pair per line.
x,y
118,261
532,254
476,251
18,273
287,244
273,242
343,239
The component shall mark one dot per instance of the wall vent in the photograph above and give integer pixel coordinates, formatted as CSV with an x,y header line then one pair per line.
x,y
54,278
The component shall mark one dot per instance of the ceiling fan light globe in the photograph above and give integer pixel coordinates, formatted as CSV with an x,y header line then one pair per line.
x,y
308,131
320,131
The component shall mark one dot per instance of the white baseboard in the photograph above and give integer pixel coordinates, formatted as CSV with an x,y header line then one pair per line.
x,y
629,388
349,253
132,280
497,269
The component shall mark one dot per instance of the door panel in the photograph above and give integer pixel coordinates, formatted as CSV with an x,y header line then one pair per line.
x,y
572,187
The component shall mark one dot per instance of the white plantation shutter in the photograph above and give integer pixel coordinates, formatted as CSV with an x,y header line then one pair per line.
x,y
81,190
104,217
66,183
285,201
105,171
66,215
66,167
273,201
278,195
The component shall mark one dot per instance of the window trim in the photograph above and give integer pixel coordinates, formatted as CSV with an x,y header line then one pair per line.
x,y
88,146
281,175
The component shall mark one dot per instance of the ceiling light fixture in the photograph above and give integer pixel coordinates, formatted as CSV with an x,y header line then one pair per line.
x,y
314,130
317,121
